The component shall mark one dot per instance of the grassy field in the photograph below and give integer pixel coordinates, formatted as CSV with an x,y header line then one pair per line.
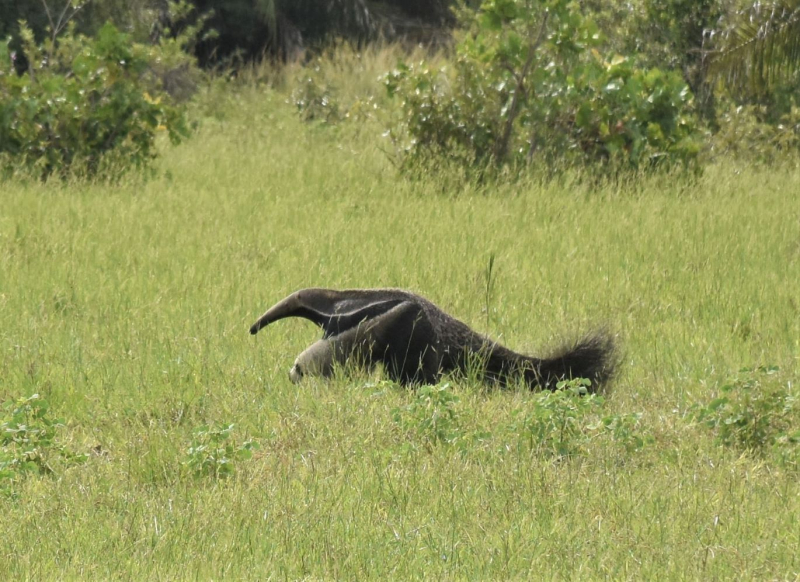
x,y
127,308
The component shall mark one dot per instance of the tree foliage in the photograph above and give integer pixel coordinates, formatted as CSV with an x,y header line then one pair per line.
x,y
759,49
251,29
528,83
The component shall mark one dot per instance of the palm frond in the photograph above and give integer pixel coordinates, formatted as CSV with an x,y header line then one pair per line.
x,y
760,48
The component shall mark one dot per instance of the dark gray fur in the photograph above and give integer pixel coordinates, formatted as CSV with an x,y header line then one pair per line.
x,y
417,342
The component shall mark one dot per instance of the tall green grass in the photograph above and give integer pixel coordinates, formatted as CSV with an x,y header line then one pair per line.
x,y
127,307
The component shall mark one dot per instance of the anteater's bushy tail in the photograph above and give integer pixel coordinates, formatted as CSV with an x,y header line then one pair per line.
x,y
594,357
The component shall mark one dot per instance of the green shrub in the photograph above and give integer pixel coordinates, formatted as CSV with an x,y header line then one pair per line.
x,y
315,98
528,84
28,443
755,412
339,83
214,452
94,104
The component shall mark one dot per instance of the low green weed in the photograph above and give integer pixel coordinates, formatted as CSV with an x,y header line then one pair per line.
x,y
755,412
624,429
555,424
28,441
432,414
562,422
214,451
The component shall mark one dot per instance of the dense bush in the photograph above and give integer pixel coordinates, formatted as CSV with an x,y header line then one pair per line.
x,y
636,116
86,103
529,84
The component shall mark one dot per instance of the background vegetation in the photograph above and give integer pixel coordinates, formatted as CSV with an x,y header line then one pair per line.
x,y
144,433
507,85
126,308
